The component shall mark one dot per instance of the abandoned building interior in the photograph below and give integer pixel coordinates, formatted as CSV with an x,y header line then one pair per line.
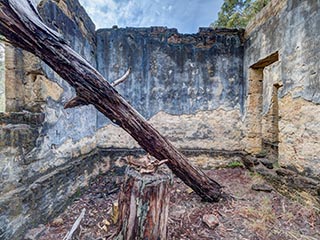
x,y
219,95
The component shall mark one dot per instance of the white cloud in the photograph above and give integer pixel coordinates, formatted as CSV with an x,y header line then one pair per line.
x,y
186,15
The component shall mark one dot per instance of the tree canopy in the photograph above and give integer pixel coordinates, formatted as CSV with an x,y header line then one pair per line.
x,y
237,13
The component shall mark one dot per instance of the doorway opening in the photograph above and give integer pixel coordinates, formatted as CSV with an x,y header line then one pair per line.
x,y
263,107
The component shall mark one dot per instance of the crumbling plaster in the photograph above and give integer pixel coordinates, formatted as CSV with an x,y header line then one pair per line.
x,y
217,95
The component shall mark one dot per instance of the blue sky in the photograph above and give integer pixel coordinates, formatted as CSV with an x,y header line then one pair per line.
x,y
185,15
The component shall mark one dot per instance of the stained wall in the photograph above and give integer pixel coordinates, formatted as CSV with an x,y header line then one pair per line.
x,y
188,86
214,94
38,173
2,80
283,44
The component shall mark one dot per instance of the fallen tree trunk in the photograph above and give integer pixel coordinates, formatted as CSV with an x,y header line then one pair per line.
x,y
22,27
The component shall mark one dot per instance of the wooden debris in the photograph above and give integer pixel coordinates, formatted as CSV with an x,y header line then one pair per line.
x,y
261,187
122,79
75,226
146,164
21,25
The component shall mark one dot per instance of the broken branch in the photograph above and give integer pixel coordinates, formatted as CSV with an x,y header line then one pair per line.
x,y
121,79
21,25
78,101
75,102
75,226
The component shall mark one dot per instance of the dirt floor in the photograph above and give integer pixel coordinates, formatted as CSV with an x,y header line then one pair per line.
x,y
250,214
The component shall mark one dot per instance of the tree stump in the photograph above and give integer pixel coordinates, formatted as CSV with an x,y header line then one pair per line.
x,y
144,204
21,25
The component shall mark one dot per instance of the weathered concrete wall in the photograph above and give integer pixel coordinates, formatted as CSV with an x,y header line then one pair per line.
x,y
45,156
193,88
2,85
291,28
189,86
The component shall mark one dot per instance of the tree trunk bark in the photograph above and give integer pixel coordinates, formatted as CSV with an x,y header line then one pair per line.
x,y
144,204
22,27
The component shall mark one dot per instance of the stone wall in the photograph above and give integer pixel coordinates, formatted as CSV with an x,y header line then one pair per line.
x,y
188,85
282,44
42,162
2,85
209,93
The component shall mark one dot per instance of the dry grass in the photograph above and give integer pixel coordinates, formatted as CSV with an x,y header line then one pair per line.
x,y
259,218
249,215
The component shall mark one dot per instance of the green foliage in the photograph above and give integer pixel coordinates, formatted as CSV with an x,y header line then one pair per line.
x,y
237,13
234,164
